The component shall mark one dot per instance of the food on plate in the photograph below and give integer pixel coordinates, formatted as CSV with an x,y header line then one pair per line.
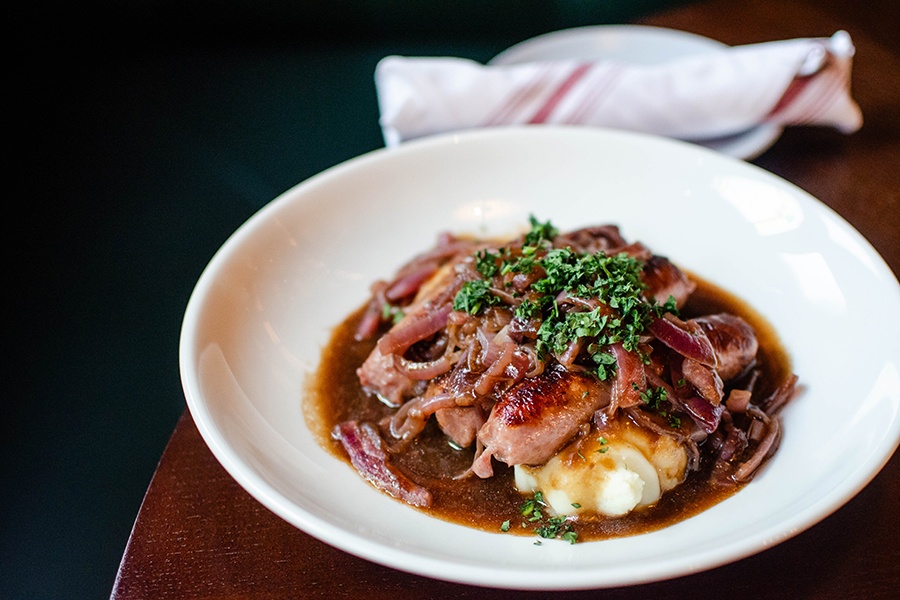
x,y
574,384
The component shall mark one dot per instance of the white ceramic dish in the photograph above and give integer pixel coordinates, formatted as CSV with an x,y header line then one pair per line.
x,y
265,305
641,45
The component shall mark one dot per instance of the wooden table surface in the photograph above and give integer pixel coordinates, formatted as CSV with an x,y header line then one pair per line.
x,y
200,535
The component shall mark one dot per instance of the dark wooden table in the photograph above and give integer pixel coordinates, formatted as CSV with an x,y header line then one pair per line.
x,y
200,535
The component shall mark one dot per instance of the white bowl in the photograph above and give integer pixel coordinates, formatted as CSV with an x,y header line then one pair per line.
x,y
264,308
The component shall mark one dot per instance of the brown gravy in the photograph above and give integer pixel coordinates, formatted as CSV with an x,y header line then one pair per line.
x,y
334,395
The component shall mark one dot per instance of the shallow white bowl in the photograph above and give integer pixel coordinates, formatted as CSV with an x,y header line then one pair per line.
x,y
264,307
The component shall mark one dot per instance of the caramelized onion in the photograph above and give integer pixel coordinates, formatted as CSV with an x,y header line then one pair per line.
x,y
409,284
704,414
414,328
495,371
690,344
774,403
410,419
367,454
764,450
368,325
631,379
421,371
738,400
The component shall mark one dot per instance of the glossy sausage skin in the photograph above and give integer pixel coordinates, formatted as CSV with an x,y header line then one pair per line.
x,y
535,418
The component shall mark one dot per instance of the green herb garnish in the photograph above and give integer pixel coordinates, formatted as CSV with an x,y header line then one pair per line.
x,y
539,232
391,313
607,292
653,396
603,449
474,297
558,527
527,310
486,263
549,527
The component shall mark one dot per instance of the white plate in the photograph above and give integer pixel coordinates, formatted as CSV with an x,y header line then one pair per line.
x,y
264,307
641,45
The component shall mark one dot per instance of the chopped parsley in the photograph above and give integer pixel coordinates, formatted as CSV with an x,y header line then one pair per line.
x,y
531,508
558,527
548,528
474,297
651,397
605,362
604,448
527,310
539,232
391,313
608,289
521,265
486,263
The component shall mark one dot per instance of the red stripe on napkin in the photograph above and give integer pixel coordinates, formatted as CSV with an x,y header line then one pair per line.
x,y
794,88
825,95
831,90
544,111
807,98
599,89
507,111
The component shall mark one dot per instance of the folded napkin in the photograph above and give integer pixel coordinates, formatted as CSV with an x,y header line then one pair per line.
x,y
790,82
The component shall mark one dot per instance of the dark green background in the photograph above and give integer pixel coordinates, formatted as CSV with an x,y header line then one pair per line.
x,y
141,135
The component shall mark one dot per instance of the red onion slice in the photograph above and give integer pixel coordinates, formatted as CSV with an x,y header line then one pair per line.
x,y
409,284
367,454
738,400
631,379
774,403
368,325
763,452
694,345
704,414
423,371
413,328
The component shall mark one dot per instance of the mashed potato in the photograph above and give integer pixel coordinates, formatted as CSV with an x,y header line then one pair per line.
x,y
608,472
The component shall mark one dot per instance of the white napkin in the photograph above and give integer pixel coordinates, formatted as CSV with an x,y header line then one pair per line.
x,y
790,82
